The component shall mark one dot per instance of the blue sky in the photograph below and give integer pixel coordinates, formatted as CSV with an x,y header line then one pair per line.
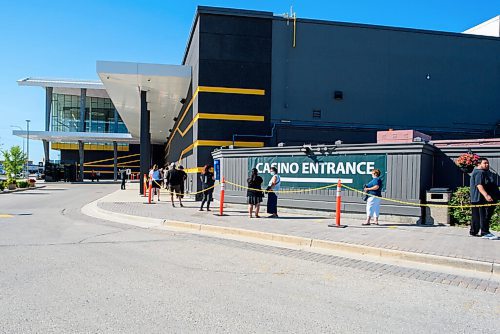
x,y
63,39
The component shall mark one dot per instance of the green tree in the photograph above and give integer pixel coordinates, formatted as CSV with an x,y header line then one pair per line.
x,y
14,162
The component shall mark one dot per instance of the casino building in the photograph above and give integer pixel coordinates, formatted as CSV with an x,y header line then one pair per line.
x,y
252,79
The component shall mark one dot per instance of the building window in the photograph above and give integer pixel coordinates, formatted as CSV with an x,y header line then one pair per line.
x,y
99,115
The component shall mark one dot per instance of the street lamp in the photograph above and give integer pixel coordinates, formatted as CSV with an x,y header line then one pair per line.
x,y
28,147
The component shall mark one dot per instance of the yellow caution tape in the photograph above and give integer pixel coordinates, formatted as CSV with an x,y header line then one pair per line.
x,y
363,193
187,192
422,204
282,191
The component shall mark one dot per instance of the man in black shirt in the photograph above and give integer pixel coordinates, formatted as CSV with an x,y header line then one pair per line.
x,y
483,190
175,179
123,176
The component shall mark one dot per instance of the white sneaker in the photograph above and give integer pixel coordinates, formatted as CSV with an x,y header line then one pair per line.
x,y
490,236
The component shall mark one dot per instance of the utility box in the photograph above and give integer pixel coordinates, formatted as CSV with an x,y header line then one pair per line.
x,y
401,136
435,214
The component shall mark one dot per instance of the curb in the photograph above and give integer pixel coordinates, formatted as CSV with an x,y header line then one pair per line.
x,y
21,189
485,267
93,210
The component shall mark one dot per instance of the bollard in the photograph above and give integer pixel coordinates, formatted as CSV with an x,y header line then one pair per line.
x,y
338,206
221,207
149,194
145,186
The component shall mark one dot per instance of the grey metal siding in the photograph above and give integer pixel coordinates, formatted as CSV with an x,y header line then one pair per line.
x,y
402,177
382,73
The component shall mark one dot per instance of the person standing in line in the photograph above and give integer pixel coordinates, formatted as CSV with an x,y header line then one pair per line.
x,y
174,179
156,183
184,178
273,187
165,172
207,181
374,187
123,175
98,175
483,190
254,193
92,175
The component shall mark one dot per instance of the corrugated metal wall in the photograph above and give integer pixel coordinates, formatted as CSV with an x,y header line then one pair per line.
x,y
404,179
412,169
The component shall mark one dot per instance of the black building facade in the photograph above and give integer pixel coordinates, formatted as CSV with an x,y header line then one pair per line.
x,y
260,79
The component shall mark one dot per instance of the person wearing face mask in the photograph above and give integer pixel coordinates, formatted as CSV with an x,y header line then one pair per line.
x,y
374,188
273,187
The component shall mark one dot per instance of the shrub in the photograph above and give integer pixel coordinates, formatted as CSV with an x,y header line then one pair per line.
x,y
460,216
463,216
22,184
14,162
2,185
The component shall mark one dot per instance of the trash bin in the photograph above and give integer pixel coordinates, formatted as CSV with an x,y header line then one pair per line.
x,y
437,215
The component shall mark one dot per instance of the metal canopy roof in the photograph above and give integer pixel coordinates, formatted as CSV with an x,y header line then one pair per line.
x,y
166,86
67,86
87,137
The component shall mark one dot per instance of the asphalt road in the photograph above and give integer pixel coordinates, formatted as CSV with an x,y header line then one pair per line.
x,y
63,272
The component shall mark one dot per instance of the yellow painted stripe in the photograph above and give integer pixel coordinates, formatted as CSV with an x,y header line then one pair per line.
x,y
231,117
87,147
223,117
193,170
121,164
187,149
122,157
228,90
183,133
218,143
207,89
229,142
101,171
6,216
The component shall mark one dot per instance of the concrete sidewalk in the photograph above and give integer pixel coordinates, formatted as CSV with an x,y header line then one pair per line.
x,y
441,245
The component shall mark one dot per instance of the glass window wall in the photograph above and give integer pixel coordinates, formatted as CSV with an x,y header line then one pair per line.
x,y
99,115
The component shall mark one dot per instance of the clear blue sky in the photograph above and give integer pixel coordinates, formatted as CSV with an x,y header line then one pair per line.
x,y
63,39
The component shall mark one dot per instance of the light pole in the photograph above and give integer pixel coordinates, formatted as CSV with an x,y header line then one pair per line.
x,y
28,147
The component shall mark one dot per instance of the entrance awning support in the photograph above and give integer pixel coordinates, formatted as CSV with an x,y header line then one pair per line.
x,y
81,128
48,106
115,160
145,140
82,160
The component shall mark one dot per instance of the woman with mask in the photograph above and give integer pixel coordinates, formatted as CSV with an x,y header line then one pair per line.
x,y
254,193
273,187
374,188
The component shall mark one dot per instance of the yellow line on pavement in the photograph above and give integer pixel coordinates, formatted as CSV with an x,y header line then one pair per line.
x,y
6,216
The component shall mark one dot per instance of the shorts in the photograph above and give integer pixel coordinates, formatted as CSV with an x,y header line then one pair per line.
x,y
176,189
156,184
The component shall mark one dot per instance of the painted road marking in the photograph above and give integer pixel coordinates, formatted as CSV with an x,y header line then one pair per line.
x,y
6,216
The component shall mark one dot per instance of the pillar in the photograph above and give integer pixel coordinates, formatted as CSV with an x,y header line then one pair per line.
x,y
81,128
48,106
116,120
82,159
115,160
145,140
83,98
